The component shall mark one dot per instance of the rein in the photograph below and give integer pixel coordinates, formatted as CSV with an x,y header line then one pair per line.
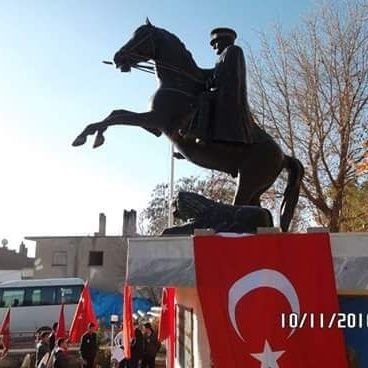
x,y
170,67
144,68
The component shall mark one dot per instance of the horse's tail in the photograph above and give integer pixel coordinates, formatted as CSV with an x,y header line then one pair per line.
x,y
295,171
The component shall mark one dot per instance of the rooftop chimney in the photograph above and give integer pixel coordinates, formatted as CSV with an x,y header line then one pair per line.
x,y
130,223
23,249
101,225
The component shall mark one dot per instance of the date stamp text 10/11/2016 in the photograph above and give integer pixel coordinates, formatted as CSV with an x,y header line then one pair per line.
x,y
324,320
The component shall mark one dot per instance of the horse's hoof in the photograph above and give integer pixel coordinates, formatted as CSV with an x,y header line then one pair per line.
x,y
99,141
81,139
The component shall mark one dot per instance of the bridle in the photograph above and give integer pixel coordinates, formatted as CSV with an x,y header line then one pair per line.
x,y
144,67
151,66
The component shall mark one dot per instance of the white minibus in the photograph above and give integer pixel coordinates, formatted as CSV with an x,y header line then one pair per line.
x,y
36,304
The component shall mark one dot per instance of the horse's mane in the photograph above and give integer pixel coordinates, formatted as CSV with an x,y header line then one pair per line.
x,y
185,52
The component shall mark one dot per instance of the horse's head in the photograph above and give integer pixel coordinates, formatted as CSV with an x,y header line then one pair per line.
x,y
139,48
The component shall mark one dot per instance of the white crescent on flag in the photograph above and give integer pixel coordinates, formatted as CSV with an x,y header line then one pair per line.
x,y
261,278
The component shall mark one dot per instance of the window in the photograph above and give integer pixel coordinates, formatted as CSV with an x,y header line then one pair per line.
x,y
35,298
59,258
40,296
184,335
95,258
13,298
70,294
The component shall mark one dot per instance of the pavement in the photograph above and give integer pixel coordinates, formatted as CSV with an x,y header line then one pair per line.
x,y
16,356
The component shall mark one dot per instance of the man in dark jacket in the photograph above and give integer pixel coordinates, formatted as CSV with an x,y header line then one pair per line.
x,y
150,347
52,336
61,357
136,347
42,347
88,348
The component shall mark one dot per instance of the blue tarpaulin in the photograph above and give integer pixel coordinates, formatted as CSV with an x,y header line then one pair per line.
x,y
356,337
105,304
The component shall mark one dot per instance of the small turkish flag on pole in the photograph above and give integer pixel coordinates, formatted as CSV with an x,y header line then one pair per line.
x,y
270,301
84,314
5,333
60,332
128,329
166,328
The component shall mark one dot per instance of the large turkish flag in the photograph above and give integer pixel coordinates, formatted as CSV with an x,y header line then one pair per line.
x,y
246,284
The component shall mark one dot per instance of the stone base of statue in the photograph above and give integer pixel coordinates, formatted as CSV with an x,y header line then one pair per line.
x,y
203,213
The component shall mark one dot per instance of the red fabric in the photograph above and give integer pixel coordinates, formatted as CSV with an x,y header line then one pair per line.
x,y
83,315
246,283
60,332
166,328
5,331
128,329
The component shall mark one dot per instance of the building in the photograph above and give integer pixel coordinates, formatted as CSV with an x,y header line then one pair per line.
x,y
99,258
15,265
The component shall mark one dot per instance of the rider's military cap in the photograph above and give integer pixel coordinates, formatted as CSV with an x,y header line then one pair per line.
x,y
222,32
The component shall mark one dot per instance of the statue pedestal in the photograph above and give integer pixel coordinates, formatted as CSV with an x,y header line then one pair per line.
x,y
169,261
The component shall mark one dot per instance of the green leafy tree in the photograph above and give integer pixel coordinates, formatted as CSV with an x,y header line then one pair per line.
x,y
354,211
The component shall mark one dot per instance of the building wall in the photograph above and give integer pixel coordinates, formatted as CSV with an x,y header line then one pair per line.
x,y
69,257
9,275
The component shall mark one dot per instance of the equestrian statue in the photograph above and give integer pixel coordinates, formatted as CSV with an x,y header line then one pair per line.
x,y
205,113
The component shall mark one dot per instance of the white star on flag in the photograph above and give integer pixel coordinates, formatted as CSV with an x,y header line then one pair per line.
x,y
164,308
268,358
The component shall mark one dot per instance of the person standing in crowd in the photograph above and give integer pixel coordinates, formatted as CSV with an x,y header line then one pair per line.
x,y
88,348
61,354
2,348
52,336
151,346
136,347
42,347
118,349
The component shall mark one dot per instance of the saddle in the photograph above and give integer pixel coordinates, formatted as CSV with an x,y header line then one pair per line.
x,y
199,126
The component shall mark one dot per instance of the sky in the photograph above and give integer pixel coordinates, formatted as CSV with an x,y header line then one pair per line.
x,y
52,84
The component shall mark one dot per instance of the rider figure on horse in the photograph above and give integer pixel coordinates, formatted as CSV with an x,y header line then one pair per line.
x,y
223,113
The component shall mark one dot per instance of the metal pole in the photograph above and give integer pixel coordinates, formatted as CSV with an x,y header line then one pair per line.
x,y
171,187
112,337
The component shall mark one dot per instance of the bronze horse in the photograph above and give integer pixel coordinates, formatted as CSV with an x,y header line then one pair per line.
x,y
181,82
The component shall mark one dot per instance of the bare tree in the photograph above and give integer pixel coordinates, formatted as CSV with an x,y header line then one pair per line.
x,y
309,88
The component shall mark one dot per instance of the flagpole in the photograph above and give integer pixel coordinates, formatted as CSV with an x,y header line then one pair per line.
x,y
171,187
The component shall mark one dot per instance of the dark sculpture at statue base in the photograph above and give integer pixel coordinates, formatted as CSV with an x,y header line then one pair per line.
x,y
204,213
205,114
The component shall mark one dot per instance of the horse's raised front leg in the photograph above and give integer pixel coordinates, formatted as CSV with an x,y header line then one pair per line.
x,y
151,121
